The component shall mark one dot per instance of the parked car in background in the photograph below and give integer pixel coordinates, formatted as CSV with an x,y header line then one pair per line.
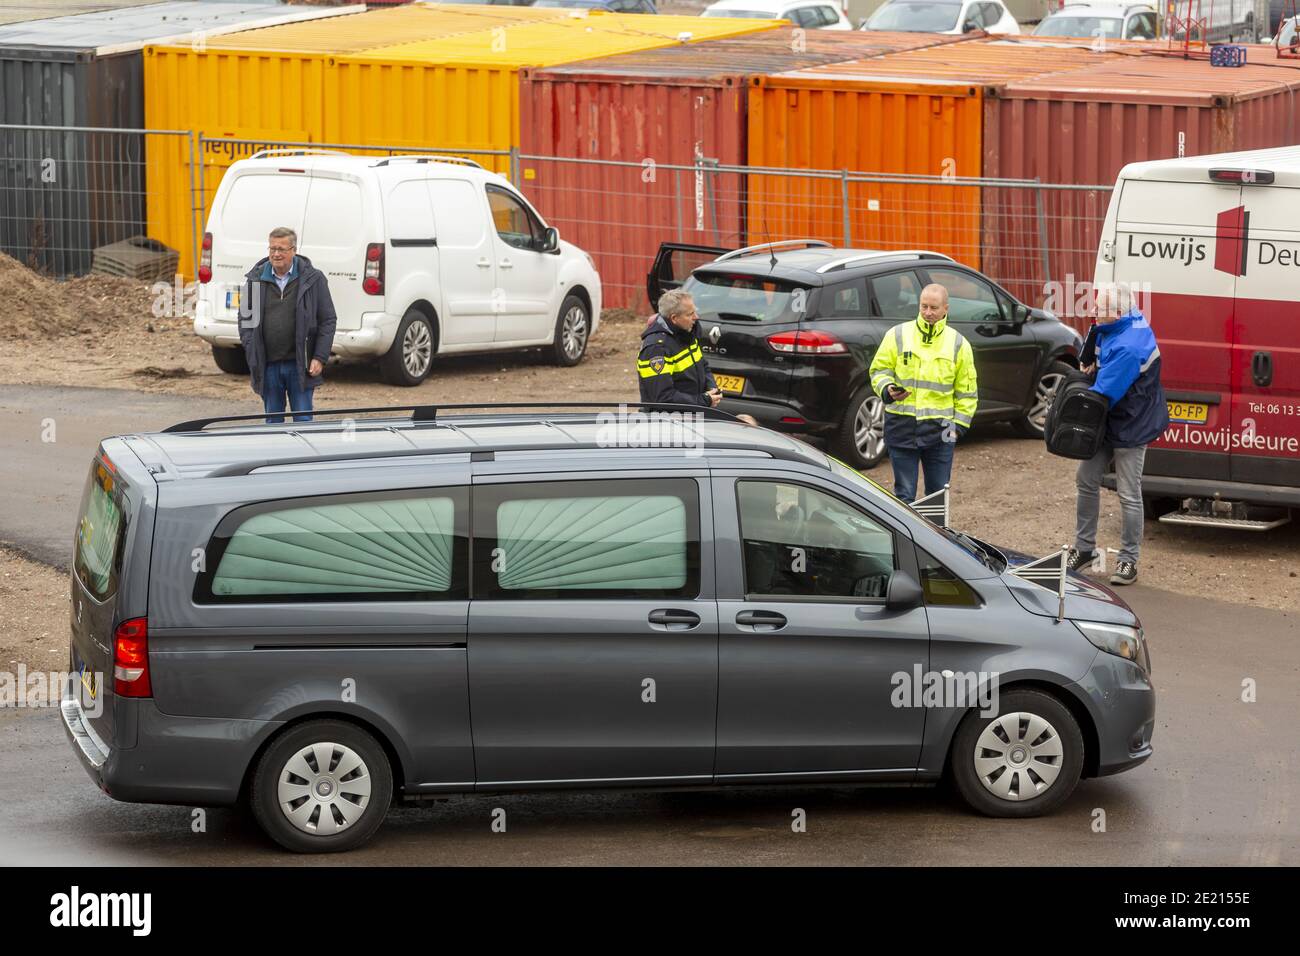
x,y
613,6
790,343
943,16
1094,21
1288,33
809,14
1239,21
425,255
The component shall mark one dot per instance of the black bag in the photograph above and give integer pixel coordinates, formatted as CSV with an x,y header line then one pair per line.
x,y
1076,422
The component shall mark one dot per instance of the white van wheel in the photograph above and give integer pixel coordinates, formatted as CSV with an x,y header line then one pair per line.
x,y
410,358
572,329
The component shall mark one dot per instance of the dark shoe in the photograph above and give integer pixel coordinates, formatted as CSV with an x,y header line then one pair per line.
x,y
1126,572
1077,560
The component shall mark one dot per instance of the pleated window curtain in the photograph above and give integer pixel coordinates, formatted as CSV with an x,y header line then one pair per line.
x,y
397,546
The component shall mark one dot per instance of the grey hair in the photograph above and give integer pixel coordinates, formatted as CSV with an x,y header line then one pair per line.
x,y
671,302
284,232
935,285
1114,295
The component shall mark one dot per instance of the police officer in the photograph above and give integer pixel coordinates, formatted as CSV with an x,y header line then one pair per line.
x,y
924,371
671,367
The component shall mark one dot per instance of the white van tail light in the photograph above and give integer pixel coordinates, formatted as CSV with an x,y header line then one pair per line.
x,y
372,281
1245,177
806,343
205,259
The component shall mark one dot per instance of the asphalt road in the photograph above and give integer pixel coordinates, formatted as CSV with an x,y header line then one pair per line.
x,y
1222,788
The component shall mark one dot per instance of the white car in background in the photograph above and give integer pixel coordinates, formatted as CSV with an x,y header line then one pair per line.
x,y
425,255
809,14
1100,21
943,16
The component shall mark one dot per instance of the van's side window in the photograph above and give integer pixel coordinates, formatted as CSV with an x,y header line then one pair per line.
x,y
394,546
943,588
100,530
801,541
587,539
515,224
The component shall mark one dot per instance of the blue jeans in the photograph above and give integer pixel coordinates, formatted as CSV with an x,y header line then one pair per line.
x,y
937,461
281,378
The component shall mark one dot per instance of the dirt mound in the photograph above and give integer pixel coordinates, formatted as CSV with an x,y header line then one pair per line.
x,y
33,306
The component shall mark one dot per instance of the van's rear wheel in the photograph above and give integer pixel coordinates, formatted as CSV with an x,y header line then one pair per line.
x,y
231,361
322,787
410,358
1035,419
572,330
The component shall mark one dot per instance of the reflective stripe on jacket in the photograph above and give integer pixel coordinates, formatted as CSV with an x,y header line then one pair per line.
x,y
936,365
672,367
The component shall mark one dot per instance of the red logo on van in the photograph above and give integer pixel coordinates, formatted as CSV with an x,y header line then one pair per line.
x,y
1230,241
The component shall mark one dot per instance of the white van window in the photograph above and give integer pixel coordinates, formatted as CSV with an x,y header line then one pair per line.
x,y
514,225
256,204
458,212
333,215
409,211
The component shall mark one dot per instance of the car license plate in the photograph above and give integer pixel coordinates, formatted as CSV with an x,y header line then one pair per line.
x,y
232,299
735,384
1195,413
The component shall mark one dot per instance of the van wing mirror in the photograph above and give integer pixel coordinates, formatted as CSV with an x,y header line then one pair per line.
x,y
551,240
903,592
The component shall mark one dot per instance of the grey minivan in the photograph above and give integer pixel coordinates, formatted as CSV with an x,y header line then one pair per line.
x,y
320,618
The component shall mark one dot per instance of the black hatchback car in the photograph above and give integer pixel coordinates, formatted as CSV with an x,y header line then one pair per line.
x,y
790,329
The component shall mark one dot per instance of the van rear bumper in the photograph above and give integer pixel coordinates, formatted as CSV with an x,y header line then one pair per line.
x,y
1166,486
190,761
378,329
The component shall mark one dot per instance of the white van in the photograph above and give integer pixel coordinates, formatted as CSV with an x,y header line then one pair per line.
x,y
1212,244
425,255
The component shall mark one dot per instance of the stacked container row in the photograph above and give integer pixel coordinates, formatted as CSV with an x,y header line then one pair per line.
x,y
446,87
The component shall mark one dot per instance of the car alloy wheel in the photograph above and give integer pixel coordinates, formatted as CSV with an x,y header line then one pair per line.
x,y
324,788
417,349
869,428
1044,395
573,333
1018,756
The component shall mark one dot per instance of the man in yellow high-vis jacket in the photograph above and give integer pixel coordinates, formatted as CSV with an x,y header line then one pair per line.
x,y
925,373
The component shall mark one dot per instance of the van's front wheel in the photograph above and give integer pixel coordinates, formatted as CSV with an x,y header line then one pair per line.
x,y
410,358
572,330
322,787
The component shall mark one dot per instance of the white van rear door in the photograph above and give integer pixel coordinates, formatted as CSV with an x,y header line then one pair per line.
x,y
334,236
411,263
257,202
467,263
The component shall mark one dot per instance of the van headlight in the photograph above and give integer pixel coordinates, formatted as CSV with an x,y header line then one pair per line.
x,y
1125,642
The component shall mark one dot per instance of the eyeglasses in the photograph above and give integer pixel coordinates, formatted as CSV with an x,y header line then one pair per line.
x,y
280,249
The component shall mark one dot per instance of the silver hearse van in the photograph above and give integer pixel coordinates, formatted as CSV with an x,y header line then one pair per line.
x,y
306,616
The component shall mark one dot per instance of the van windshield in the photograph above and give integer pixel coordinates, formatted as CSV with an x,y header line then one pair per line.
x,y
97,557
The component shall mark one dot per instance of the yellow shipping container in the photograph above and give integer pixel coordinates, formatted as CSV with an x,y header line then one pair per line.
x,y
457,92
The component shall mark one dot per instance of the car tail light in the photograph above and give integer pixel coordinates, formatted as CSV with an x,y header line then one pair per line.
x,y
806,343
131,659
205,259
372,281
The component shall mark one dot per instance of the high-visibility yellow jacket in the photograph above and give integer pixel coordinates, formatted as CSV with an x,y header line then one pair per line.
x,y
936,365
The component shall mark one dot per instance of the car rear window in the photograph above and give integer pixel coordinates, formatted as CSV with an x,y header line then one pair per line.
x,y
100,530
736,297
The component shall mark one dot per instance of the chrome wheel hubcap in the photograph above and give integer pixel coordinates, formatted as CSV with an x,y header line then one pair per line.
x,y
869,428
417,348
573,332
1018,756
324,788
1043,397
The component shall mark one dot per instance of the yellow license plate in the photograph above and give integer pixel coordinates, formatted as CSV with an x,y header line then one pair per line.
x,y
232,299
1195,413
735,384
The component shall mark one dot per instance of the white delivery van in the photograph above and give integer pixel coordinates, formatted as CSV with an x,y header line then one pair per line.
x,y
1212,243
425,255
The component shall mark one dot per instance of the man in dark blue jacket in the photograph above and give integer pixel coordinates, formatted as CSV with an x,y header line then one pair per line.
x,y
1128,374
286,325
671,367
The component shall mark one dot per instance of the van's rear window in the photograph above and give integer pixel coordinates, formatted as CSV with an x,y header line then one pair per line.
x,y
99,533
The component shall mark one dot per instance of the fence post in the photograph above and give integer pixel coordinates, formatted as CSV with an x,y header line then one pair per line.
x,y
844,201
1042,231
196,213
677,210
711,191
514,168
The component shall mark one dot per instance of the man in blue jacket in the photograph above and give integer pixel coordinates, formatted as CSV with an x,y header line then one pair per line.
x,y
1128,373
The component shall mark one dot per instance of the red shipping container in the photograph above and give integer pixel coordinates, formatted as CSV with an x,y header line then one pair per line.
x,y
668,107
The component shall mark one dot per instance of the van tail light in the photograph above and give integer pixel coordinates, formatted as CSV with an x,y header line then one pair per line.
x,y
205,259
131,659
1245,177
372,280
806,343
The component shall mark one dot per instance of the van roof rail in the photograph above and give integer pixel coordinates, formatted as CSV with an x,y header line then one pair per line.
x,y
779,244
297,151
429,413
430,157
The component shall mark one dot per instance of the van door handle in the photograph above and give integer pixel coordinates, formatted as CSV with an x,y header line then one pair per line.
x,y
1261,368
761,620
506,264
484,263
674,619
